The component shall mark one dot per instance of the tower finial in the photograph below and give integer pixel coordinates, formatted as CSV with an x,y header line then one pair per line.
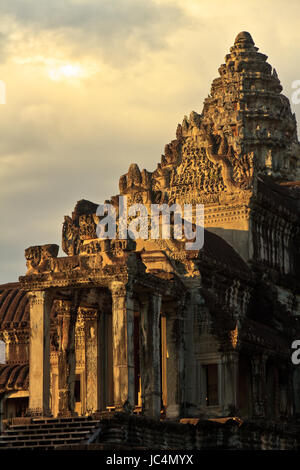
x,y
244,37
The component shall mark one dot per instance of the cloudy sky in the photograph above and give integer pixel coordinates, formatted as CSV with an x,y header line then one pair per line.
x,y
94,85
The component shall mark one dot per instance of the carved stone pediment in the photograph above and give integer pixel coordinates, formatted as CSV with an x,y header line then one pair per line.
x,y
38,258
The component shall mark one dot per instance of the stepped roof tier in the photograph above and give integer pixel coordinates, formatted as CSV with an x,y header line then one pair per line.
x,y
242,148
246,128
151,327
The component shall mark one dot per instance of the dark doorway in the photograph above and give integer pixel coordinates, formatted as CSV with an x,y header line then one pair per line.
x,y
212,384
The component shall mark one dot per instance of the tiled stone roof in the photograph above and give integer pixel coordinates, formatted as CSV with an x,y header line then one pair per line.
x,y
14,377
14,306
216,248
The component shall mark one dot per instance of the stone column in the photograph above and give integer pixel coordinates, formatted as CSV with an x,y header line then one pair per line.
x,y
39,356
106,360
123,345
67,316
92,359
63,319
150,355
285,391
230,365
174,333
195,325
259,385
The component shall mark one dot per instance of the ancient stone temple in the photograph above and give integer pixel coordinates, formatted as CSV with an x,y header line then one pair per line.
x,y
155,331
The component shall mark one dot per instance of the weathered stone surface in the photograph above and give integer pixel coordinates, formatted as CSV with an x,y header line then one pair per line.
x,y
39,358
152,328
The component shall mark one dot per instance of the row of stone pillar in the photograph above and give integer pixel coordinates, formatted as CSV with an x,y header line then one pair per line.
x,y
150,352
263,393
39,353
123,309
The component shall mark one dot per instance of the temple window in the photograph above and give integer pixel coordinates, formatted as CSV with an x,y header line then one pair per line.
x,y
77,391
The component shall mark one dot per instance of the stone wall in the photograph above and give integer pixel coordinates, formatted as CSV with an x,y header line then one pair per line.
x,y
139,432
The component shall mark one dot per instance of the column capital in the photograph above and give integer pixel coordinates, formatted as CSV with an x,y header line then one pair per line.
x,y
123,347
118,289
259,361
39,297
39,352
174,309
230,356
145,297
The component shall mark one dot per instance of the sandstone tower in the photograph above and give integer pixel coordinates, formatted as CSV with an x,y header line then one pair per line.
x,y
150,328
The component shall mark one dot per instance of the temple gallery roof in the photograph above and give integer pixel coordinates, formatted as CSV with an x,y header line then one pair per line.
x,y
14,377
14,306
217,249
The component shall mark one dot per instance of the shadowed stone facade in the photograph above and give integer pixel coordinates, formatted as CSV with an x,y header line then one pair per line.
x,y
151,328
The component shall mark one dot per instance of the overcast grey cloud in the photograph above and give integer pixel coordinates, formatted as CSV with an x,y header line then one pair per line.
x,y
92,14
119,30
93,86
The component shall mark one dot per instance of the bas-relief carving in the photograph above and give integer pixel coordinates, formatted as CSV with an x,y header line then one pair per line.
x,y
219,150
214,159
38,257
90,318
204,167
